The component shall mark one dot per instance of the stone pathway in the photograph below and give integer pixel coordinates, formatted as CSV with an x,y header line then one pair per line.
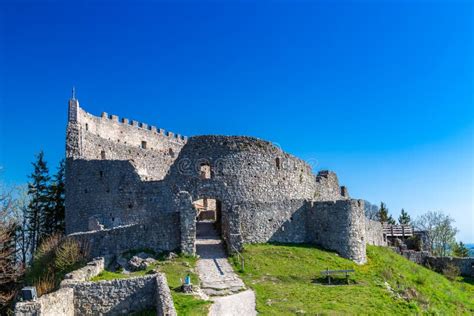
x,y
242,304
218,278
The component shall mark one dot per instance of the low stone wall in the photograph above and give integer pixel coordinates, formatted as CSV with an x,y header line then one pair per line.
x,y
438,264
465,265
115,241
413,255
57,303
115,297
91,270
164,300
374,233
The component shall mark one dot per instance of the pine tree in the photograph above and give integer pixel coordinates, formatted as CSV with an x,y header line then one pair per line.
x,y
460,250
404,218
10,270
384,216
39,202
54,216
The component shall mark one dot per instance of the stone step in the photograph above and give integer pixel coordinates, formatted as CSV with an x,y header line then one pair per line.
x,y
223,285
212,292
217,291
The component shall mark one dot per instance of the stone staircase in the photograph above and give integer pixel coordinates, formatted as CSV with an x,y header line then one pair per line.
x,y
216,274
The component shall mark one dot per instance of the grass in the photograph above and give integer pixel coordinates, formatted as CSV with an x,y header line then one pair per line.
x,y
175,271
110,275
286,279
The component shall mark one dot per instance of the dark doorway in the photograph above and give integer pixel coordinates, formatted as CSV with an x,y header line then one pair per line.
x,y
208,217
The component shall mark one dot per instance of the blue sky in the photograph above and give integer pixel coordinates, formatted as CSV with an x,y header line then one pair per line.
x,y
379,91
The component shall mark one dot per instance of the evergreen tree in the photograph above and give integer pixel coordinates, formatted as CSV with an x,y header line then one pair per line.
x,y
10,270
384,216
404,218
54,216
39,202
460,250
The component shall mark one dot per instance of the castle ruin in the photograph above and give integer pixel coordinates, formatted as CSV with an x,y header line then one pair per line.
x,y
130,185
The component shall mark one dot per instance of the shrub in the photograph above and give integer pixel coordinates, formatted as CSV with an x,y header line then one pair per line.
x,y
451,272
55,257
45,284
68,254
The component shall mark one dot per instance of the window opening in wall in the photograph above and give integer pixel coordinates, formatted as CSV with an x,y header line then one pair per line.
x,y
205,171
101,173
144,144
87,127
171,152
278,163
102,154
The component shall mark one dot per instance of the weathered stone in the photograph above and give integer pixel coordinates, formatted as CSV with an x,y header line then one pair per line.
x,y
116,297
60,302
171,255
139,187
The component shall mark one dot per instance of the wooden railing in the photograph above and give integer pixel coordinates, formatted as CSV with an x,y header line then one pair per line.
x,y
397,230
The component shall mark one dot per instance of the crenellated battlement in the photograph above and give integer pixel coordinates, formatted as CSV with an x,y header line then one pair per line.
x,y
151,149
143,126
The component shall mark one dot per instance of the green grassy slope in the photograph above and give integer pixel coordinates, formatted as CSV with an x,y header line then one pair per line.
x,y
286,279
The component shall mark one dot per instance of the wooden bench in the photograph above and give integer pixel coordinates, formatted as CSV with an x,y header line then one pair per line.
x,y
328,273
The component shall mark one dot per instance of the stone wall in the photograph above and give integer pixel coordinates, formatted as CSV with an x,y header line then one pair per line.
x,y
107,163
164,300
115,297
418,257
159,236
339,226
282,221
374,233
57,303
92,269
438,264
249,169
465,265
78,296
328,189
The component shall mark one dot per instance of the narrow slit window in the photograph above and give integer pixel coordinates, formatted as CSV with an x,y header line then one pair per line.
x,y
102,154
144,144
